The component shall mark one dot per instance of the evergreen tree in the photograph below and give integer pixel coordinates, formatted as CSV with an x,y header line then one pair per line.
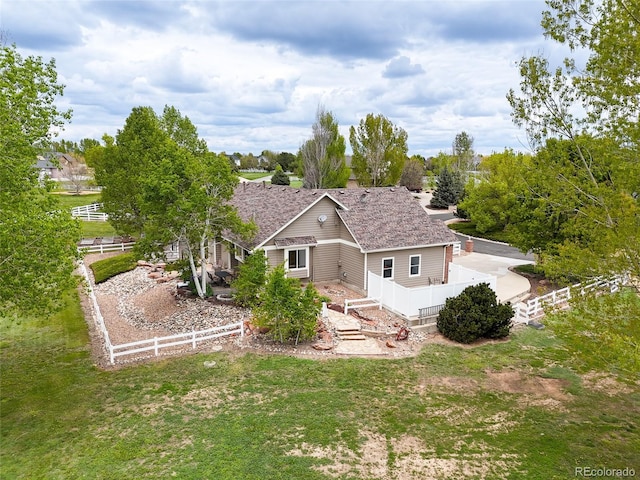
x,y
449,189
279,177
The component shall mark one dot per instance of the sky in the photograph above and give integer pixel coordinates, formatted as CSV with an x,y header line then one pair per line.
x,y
250,74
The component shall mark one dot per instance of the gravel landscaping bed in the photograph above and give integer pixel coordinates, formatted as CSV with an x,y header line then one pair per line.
x,y
136,307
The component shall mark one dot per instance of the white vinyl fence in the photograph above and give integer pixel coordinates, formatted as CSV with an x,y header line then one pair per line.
x,y
153,344
106,247
408,301
89,213
535,307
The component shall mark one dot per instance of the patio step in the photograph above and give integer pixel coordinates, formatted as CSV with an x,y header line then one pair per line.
x,y
350,332
351,336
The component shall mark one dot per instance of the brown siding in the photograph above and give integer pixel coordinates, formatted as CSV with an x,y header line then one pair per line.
x,y
344,233
275,257
431,265
307,224
325,262
351,263
223,259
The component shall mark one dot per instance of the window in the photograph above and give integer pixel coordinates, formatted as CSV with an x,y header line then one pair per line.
x,y
240,253
387,268
414,265
297,259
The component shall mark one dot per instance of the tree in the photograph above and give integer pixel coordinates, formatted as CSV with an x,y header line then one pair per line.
x,y
165,185
38,239
76,172
287,161
590,105
248,162
379,151
322,157
475,314
493,201
286,309
251,279
449,189
463,152
279,177
124,165
412,174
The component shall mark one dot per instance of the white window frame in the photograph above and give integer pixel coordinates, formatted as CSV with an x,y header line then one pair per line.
x,y
419,256
240,253
393,261
306,258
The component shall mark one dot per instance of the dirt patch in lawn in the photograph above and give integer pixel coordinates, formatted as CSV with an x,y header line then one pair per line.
x,y
408,457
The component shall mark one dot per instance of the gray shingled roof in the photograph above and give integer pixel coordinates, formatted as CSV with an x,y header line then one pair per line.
x,y
378,218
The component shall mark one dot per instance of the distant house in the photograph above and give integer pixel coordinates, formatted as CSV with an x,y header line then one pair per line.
x,y
341,235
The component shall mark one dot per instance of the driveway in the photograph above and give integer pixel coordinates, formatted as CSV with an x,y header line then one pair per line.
x,y
510,286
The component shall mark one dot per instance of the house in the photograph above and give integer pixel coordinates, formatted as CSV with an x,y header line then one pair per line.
x,y
341,235
53,169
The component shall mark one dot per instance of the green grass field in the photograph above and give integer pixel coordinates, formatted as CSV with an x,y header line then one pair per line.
x,y
518,409
255,175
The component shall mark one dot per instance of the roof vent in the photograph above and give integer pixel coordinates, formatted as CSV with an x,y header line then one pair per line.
x,y
341,192
392,189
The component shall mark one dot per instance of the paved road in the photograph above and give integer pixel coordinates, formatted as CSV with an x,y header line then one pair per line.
x,y
486,246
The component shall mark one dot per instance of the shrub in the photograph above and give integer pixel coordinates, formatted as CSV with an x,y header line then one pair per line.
x,y
110,267
279,177
474,314
286,309
251,279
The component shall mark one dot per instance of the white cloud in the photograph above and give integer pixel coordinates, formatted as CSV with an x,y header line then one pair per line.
x,y
251,74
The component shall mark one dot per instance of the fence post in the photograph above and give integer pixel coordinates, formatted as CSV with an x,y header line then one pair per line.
x,y
193,335
242,325
111,353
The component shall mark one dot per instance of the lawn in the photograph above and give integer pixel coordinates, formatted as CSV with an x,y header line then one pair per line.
x,y
89,229
517,409
255,175
69,201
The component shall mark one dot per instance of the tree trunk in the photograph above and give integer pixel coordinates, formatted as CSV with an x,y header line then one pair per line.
x,y
203,266
194,274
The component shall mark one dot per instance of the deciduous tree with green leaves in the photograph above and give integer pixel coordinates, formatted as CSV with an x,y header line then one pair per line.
x,y
322,157
596,107
252,275
38,239
379,151
286,309
177,190
492,201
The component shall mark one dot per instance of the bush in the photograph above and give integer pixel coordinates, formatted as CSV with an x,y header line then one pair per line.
x,y
474,314
286,309
252,276
110,267
279,177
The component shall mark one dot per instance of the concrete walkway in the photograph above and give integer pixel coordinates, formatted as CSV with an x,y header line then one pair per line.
x,y
510,286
